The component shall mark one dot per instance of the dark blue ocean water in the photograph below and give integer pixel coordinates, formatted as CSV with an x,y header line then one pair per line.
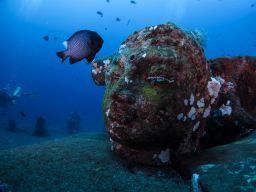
x,y
27,60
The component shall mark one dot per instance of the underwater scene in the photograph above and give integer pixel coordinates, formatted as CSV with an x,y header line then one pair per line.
x,y
128,96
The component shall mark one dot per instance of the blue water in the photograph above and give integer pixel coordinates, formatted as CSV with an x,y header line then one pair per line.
x,y
27,60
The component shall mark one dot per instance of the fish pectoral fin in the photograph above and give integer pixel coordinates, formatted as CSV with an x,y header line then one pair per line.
x,y
73,60
90,57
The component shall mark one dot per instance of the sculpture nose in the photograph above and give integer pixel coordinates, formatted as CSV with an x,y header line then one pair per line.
x,y
123,98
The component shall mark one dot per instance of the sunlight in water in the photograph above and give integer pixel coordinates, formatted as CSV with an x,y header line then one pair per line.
x,y
29,7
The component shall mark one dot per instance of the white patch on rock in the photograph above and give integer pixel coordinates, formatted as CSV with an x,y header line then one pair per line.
x,y
192,113
200,103
228,102
212,100
196,126
106,62
185,102
94,72
220,79
207,112
180,116
184,118
126,80
164,156
195,184
225,110
144,55
107,112
213,87
192,99
121,48
155,27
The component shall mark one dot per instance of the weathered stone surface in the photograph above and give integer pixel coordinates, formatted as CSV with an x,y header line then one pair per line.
x,y
234,114
230,167
158,91
99,68
241,73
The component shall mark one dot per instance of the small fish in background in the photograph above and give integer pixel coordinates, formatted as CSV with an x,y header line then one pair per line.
x,y
252,5
82,44
128,22
254,45
100,13
22,113
55,38
133,2
118,19
107,1
46,37
105,28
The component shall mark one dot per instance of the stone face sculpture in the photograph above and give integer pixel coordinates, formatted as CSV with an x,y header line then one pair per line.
x,y
160,93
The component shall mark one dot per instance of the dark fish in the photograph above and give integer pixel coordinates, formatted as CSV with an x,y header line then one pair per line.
x,y
100,13
22,113
46,37
82,44
118,19
252,5
133,2
128,22
106,28
55,38
254,45
107,1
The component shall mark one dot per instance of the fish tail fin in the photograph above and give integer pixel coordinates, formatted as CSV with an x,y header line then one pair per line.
x,y
62,55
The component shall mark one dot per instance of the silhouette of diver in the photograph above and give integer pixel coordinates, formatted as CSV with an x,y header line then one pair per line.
x,y
6,98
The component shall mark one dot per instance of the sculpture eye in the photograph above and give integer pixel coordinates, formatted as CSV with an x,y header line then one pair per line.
x,y
159,80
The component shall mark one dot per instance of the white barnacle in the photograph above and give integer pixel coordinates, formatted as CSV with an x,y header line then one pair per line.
x,y
228,102
192,99
121,48
94,71
180,116
164,156
225,110
192,113
95,65
151,28
185,102
107,61
213,87
200,103
126,80
144,55
155,27
184,118
196,126
207,112
107,112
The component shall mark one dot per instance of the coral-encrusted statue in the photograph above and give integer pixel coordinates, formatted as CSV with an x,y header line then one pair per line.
x,y
160,94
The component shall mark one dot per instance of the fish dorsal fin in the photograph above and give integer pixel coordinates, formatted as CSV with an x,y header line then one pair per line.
x,y
65,44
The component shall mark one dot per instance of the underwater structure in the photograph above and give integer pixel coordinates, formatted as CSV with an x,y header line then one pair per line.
x,y
40,129
73,123
161,92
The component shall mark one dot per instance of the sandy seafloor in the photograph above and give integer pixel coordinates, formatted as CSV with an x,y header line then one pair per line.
x,y
82,162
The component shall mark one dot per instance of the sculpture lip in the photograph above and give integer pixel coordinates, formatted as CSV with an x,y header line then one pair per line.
x,y
122,113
